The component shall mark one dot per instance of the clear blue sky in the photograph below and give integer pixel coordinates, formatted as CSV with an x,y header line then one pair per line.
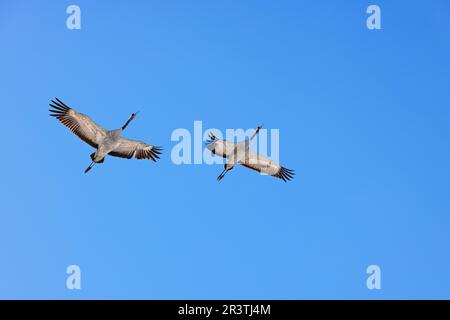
x,y
364,120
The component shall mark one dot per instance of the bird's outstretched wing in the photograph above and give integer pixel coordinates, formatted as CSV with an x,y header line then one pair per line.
x,y
129,148
221,148
80,124
264,165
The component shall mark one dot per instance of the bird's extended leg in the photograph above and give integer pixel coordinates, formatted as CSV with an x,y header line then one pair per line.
x,y
90,167
227,167
220,177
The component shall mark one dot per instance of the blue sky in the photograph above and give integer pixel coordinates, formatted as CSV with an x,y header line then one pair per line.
x,y
364,120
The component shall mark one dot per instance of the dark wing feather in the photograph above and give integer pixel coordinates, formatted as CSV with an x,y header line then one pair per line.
x,y
80,124
282,173
129,148
264,165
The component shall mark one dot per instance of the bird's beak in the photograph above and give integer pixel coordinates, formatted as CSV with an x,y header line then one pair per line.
x,y
135,114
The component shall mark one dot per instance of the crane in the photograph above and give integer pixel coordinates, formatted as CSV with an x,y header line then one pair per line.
x,y
240,153
106,142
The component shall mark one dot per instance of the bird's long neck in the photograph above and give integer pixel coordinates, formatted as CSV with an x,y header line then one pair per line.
x,y
127,123
254,135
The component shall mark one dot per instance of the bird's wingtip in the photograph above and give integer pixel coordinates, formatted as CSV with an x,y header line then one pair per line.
x,y
212,138
285,174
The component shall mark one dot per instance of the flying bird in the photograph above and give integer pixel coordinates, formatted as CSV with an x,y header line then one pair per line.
x,y
240,153
107,142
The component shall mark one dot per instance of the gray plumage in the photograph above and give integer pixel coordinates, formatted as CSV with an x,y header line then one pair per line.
x,y
107,142
240,153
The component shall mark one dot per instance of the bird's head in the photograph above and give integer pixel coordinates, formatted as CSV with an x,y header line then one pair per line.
x,y
129,120
134,115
